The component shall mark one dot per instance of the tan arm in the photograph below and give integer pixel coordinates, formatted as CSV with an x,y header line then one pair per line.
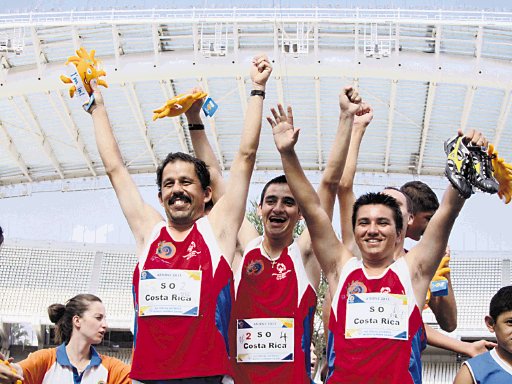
x,y
227,215
440,340
463,376
345,190
330,252
141,217
445,308
424,258
204,151
350,104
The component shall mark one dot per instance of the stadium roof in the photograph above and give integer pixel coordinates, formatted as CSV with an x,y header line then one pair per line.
x,y
426,73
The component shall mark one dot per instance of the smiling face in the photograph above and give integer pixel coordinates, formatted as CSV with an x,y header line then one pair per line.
x,y
181,194
279,212
375,233
502,327
92,324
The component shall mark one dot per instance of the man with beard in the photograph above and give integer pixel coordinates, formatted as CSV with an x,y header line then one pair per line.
x,y
183,280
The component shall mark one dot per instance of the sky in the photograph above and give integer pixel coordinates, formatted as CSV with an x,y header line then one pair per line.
x,y
94,216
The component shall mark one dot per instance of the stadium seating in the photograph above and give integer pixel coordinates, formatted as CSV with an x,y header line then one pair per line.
x,y
34,277
123,354
475,281
115,287
439,372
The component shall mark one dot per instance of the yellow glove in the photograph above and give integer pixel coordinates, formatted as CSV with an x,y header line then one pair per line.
x,y
178,105
6,362
503,174
442,270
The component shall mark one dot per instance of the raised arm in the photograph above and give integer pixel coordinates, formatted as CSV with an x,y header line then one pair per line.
x,y
204,151
350,104
345,190
424,258
141,217
330,252
227,215
202,148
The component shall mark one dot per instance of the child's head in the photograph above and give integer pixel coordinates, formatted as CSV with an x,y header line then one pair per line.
x,y
499,320
501,302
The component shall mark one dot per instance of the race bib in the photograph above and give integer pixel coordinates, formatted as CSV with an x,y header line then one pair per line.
x,y
264,340
169,292
377,315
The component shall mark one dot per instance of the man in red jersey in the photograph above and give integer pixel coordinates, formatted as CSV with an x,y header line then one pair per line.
x,y
277,277
376,300
183,280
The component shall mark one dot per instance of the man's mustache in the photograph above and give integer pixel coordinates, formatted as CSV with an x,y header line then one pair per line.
x,y
180,196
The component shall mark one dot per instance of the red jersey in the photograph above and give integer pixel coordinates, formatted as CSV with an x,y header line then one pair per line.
x,y
182,346
378,359
273,289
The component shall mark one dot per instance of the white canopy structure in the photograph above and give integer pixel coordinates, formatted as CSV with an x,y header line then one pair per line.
x,y
426,73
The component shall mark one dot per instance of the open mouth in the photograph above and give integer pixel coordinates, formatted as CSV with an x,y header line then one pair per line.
x,y
179,200
277,220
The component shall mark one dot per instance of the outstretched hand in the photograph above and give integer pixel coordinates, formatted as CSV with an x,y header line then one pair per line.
x,y
260,71
350,101
285,134
479,347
